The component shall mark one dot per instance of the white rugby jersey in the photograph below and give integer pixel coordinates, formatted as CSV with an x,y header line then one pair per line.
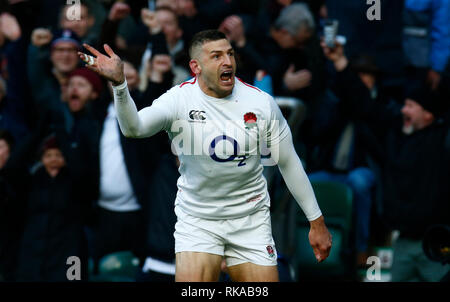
x,y
219,143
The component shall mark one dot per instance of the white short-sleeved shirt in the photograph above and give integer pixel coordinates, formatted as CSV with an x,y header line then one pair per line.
x,y
218,142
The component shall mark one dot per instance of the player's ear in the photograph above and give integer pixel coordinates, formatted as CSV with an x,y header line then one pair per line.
x,y
195,67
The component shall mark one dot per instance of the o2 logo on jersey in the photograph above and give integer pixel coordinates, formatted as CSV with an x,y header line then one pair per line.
x,y
213,155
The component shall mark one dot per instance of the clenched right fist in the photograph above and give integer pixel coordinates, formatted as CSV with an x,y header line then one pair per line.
x,y
41,37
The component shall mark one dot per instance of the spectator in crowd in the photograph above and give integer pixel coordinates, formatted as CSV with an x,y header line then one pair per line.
x,y
49,81
294,31
177,49
16,117
159,68
426,37
81,26
168,20
163,28
109,33
341,153
381,39
190,20
233,28
13,116
55,208
292,54
84,86
84,90
415,166
138,55
118,222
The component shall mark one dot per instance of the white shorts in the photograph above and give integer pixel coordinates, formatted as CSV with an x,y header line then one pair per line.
x,y
240,240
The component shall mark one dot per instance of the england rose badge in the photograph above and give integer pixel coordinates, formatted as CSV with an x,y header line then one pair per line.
x,y
250,120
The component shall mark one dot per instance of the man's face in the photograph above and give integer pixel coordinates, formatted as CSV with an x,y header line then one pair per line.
x,y
414,117
64,56
216,68
79,92
53,161
169,24
80,27
4,152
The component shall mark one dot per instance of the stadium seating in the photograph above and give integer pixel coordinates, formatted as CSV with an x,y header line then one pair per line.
x,y
335,201
117,267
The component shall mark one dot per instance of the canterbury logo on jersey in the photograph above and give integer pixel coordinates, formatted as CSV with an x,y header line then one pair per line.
x,y
197,115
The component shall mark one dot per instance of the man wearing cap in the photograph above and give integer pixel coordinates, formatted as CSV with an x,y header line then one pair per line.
x,y
83,86
415,164
49,81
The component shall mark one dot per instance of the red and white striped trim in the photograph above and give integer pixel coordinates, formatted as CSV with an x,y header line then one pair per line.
x,y
248,85
187,82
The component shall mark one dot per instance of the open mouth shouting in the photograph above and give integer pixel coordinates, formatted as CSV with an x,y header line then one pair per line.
x,y
408,127
227,77
406,120
75,102
74,98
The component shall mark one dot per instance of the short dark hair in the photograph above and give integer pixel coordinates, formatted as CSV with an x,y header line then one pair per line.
x,y
7,136
203,37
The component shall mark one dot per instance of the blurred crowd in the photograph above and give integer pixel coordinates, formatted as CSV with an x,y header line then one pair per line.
x,y
72,185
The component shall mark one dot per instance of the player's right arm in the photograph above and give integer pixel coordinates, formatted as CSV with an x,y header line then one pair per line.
x,y
144,123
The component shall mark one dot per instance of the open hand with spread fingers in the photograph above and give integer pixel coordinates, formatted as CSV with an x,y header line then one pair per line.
x,y
108,66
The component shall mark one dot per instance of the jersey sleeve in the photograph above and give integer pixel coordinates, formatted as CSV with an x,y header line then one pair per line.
x,y
166,104
148,121
295,177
